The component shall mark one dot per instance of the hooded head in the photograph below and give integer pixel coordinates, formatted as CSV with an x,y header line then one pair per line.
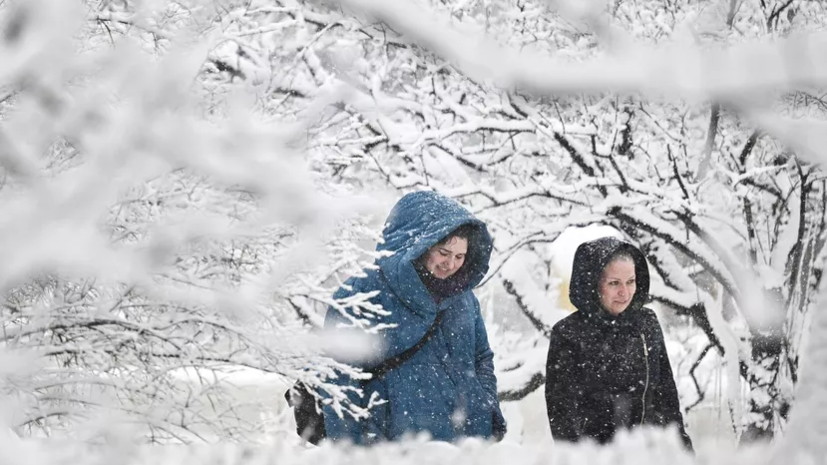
x,y
590,260
416,223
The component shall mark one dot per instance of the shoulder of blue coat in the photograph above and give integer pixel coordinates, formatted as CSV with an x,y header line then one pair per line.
x,y
467,300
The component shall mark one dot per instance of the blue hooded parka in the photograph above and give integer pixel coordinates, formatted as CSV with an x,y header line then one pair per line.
x,y
447,389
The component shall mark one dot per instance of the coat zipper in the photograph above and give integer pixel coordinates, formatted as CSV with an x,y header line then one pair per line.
x,y
645,386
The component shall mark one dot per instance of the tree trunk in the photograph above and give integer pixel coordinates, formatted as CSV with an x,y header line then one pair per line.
x,y
768,404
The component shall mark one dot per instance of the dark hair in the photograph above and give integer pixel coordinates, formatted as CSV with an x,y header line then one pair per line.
x,y
465,231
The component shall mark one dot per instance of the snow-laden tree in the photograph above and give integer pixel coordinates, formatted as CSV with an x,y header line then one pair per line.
x,y
160,230
647,116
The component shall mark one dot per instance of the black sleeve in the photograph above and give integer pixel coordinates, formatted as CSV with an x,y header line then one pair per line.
x,y
563,390
666,399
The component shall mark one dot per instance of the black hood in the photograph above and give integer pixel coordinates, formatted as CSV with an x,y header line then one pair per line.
x,y
589,260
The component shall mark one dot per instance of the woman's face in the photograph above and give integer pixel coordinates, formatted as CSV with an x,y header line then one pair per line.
x,y
617,285
443,260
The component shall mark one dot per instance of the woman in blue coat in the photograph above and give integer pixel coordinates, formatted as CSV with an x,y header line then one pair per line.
x,y
447,389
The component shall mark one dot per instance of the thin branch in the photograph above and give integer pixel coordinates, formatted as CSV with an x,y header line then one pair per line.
x,y
712,132
725,281
301,313
698,314
578,158
676,172
536,322
695,365
748,146
537,380
772,21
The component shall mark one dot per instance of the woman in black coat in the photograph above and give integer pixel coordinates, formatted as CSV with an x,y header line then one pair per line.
x,y
607,365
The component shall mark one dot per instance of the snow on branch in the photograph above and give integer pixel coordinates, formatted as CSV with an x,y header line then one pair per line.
x,y
739,70
158,225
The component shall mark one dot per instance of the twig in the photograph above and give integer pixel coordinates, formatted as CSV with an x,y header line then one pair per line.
x,y
695,365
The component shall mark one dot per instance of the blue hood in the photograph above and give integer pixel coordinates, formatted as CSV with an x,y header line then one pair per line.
x,y
416,223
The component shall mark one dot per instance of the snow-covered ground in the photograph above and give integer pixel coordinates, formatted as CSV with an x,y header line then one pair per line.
x,y
650,447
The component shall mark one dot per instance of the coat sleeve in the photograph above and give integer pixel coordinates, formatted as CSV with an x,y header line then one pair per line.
x,y
484,367
563,393
666,400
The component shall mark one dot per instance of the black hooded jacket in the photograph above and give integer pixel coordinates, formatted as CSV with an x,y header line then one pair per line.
x,y
605,373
